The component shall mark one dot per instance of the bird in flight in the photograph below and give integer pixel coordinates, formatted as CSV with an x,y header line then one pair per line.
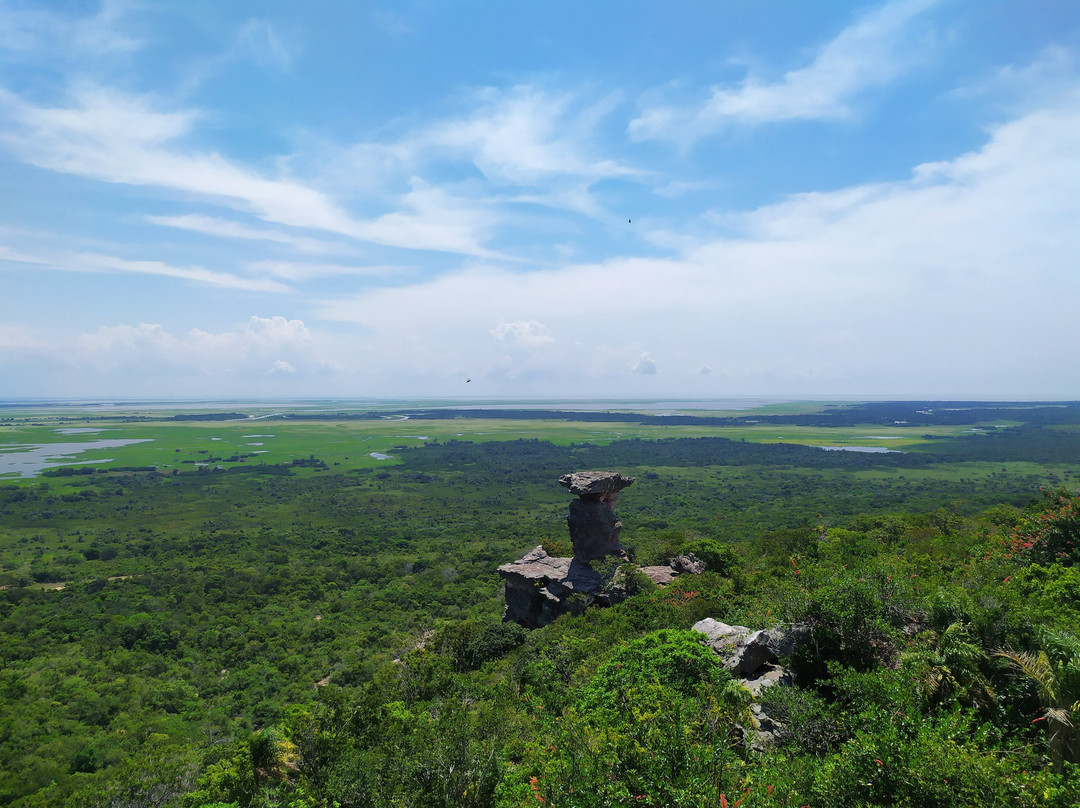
x,y
467,381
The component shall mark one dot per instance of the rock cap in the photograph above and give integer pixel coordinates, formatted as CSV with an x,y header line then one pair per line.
x,y
595,483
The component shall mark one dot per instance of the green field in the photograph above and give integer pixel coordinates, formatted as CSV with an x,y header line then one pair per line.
x,y
350,444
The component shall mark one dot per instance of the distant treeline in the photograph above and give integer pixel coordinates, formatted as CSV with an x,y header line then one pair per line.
x,y
1031,443
884,413
544,459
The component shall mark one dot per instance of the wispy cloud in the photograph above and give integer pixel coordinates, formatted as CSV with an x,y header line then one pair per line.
x,y
528,144
304,270
523,135
873,51
867,283
96,262
261,41
35,33
195,274
119,138
226,228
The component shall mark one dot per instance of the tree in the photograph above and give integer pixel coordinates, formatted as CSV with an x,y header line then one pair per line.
x,y
1056,677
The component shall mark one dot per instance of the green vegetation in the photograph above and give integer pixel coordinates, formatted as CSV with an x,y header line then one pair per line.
x,y
316,627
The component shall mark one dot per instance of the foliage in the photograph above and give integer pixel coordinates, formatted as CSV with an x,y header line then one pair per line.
x,y
719,558
1055,675
298,636
1050,532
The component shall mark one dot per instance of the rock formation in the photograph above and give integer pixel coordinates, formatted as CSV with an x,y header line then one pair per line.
x,y
743,651
540,587
594,530
754,657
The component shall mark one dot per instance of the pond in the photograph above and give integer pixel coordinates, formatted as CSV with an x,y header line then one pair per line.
x,y
872,449
30,459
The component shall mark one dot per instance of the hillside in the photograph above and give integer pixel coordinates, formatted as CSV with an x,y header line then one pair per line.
x,y
284,636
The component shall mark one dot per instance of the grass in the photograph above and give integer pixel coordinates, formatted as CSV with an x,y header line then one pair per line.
x,y
350,444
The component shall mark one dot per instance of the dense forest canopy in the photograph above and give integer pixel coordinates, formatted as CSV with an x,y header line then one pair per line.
x,y
305,634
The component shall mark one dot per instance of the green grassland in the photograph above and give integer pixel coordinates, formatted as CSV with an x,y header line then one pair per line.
x,y
350,444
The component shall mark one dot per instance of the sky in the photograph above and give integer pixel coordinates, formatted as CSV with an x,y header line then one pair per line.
x,y
512,199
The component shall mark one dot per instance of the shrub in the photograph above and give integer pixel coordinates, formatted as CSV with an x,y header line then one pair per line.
x,y
719,558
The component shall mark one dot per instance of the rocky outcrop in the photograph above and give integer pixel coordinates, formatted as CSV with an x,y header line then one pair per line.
x,y
688,563
540,588
594,530
661,576
754,657
743,650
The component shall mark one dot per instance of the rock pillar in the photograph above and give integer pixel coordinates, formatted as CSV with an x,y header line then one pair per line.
x,y
594,530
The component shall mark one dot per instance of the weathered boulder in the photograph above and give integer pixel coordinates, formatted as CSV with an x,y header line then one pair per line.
x,y
753,657
594,530
540,588
688,563
661,576
743,651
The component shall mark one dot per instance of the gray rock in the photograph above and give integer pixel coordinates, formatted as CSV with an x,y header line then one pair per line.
x,y
688,563
784,639
766,728
594,530
539,588
768,676
595,483
743,651
661,576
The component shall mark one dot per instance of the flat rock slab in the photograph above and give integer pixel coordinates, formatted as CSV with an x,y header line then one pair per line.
x,y
661,576
595,483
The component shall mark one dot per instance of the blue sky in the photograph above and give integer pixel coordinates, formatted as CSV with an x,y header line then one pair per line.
x,y
552,199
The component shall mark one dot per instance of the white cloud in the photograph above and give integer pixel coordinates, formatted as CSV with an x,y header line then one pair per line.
x,y
540,147
18,339
645,365
226,228
873,51
303,271
121,139
522,136
29,33
96,262
261,41
224,280
264,345
940,281
527,333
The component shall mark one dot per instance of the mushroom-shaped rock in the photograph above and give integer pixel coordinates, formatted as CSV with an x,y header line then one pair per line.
x,y
595,483
594,530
